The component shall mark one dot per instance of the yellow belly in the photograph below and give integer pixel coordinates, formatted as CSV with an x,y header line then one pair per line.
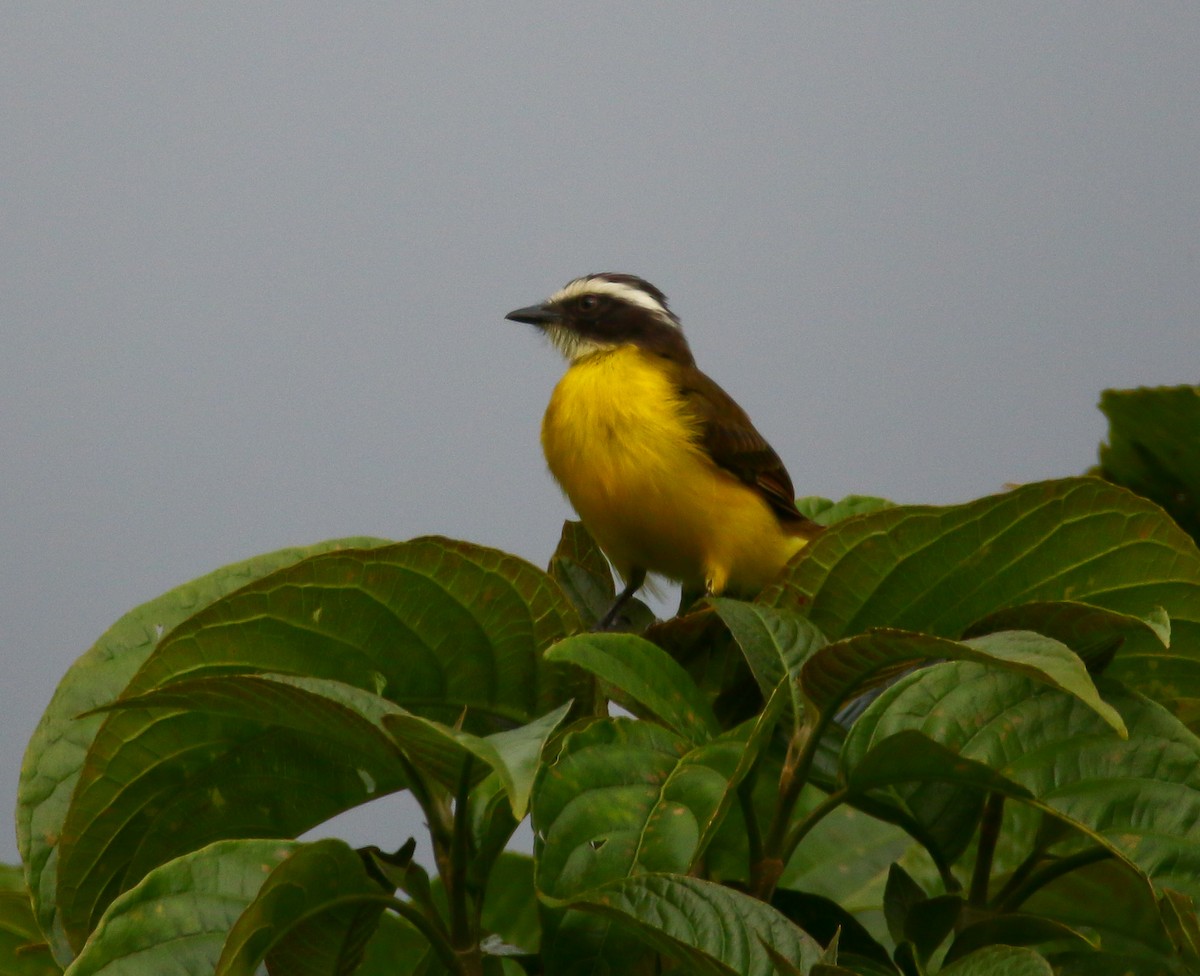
x,y
618,440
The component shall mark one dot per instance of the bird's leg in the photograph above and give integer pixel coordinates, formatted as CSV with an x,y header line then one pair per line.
x,y
613,616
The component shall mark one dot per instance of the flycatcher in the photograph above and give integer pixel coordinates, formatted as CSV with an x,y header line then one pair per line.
x,y
666,471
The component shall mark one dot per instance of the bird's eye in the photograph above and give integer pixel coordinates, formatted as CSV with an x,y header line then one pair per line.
x,y
589,303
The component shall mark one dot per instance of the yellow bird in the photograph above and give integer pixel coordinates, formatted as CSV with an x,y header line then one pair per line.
x,y
666,471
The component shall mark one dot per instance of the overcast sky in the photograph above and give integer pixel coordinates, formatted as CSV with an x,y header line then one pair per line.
x,y
254,262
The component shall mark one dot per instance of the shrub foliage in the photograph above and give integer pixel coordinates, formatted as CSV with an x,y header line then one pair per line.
x,y
956,740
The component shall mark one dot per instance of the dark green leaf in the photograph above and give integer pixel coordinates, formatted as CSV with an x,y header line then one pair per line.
x,y
433,625
823,919
510,908
439,751
1093,633
23,951
625,797
1013,930
1140,797
844,668
579,567
1154,447
930,921
1110,899
702,925
398,948
56,751
644,679
1179,918
775,642
1000,961
938,570
174,922
900,897
313,915
212,758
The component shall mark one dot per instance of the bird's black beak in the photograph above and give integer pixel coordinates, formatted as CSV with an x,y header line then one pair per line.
x,y
534,315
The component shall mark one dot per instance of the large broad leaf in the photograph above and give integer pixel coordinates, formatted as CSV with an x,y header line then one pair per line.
x,y
1154,447
579,567
706,927
644,679
1140,797
1094,633
313,916
1000,960
212,758
939,570
775,643
844,668
441,751
174,922
22,949
56,751
625,797
434,625
1110,899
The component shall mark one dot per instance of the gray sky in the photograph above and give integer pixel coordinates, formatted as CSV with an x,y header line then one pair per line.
x,y
254,262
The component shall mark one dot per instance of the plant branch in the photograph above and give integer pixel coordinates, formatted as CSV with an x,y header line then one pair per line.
x,y
989,834
435,935
461,929
1044,875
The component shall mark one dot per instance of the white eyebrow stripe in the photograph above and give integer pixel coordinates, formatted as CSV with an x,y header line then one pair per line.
x,y
618,290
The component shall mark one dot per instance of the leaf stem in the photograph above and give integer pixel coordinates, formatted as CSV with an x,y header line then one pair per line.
x,y
754,839
814,817
461,929
1055,869
435,936
989,834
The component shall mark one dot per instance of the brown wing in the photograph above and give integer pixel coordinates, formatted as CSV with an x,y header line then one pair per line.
x,y
733,443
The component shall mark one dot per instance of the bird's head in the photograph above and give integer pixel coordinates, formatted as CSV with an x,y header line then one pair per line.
x,y
600,312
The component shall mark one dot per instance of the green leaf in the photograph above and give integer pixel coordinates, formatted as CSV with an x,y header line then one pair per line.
x,y
313,915
930,922
900,897
847,667
1110,899
434,625
23,951
1179,918
908,756
847,858
939,570
1000,961
510,907
824,511
644,679
1094,633
208,759
176,919
1154,447
439,751
703,925
56,751
825,920
396,947
1014,930
580,569
775,642
626,797
1139,797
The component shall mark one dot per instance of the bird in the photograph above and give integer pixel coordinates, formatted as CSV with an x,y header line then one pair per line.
x,y
665,470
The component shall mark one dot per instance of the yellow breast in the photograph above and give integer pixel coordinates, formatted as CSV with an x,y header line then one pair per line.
x,y
619,440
